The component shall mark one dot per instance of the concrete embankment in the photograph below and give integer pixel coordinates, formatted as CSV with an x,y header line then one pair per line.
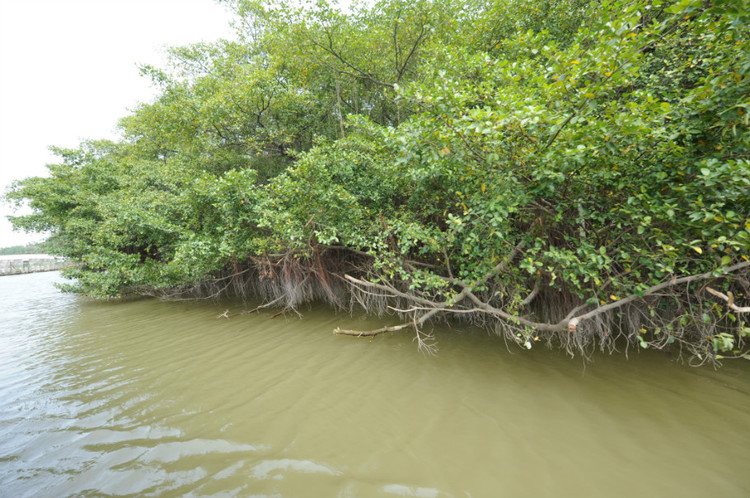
x,y
30,263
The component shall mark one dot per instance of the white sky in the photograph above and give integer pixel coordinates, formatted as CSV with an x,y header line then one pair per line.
x,y
68,72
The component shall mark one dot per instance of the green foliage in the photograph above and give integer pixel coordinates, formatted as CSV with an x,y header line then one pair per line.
x,y
27,249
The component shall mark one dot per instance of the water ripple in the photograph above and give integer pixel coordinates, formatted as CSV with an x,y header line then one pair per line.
x,y
149,398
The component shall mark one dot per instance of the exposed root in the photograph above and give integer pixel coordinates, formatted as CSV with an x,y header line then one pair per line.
x,y
670,315
658,317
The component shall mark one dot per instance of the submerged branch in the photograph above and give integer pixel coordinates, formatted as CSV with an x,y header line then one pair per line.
x,y
392,328
264,306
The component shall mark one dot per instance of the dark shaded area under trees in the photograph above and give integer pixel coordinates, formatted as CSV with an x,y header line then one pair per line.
x,y
569,172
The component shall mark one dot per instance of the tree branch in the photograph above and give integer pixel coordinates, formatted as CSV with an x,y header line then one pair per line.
x,y
359,73
729,298
573,323
569,323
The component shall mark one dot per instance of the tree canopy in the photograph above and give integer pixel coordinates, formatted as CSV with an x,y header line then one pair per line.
x,y
568,171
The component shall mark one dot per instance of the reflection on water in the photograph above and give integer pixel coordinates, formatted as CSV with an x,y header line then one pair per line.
x,y
149,398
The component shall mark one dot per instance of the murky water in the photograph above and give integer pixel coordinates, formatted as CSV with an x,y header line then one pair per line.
x,y
149,398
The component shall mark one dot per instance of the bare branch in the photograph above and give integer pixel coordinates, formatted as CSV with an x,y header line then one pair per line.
x,y
729,298
393,328
411,53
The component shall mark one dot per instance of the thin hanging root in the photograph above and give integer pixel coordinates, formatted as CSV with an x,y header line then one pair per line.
x,y
426,343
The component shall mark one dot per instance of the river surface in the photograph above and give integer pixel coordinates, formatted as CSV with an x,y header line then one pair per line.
x,y
154,398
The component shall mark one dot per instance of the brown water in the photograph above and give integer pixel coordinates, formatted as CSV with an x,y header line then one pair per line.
x,y
151,398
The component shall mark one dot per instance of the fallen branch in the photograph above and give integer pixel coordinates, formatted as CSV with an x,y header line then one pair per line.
x,y
371,333
392,328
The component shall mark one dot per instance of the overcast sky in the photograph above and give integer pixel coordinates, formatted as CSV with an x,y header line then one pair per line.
x,y
68,72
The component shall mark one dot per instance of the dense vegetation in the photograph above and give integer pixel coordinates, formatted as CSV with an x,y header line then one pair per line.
x,y
569,171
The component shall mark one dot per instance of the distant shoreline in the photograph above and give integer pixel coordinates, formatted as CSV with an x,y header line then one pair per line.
x,y
13,257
